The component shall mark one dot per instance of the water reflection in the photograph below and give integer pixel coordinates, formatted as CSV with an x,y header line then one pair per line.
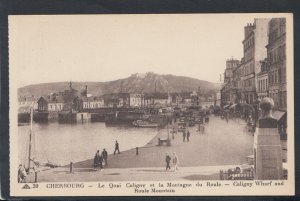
x,y
63,143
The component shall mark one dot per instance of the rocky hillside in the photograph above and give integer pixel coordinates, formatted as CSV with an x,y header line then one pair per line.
x,y
136,83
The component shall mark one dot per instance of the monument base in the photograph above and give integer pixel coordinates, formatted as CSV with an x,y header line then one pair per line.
x,y
267,153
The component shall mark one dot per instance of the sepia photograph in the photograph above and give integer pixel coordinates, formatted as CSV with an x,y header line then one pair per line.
x,y
173,104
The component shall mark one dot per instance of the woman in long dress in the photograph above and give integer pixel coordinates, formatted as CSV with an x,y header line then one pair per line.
x,y
175,161
97,160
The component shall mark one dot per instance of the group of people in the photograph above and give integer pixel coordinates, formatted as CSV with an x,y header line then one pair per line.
x,y
100,160
175,161
186,135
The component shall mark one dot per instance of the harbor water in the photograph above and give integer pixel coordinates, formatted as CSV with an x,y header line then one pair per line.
x,y
65,143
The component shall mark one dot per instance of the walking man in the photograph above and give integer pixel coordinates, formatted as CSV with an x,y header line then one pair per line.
x,y
104,155
226,116
184,135
117,148
188,135
168,159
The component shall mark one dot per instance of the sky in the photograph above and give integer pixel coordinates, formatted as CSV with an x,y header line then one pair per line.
x,y
107,47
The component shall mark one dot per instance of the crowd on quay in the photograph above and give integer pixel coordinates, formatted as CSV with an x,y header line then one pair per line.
x,y
248,115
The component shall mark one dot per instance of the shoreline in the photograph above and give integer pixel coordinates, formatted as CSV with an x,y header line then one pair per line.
x,y
202,157
152,155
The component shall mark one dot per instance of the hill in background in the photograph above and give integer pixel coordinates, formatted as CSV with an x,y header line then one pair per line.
x,y
136,83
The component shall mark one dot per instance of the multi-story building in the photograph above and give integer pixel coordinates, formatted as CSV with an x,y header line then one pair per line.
x,y
262,77
124,99
136,100
157,99
51,103
228,94
238,73
276,49
92,102
255,40
228,91
217,99
231,65
30,101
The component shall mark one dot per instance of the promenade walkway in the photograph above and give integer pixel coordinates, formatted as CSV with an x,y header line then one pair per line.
x,y
221,147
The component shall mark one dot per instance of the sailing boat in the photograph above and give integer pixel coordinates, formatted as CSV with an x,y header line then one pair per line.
x,y
33,163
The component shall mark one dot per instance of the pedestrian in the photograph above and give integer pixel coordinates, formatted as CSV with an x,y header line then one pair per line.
x,y
21,174
117,148
184,135
104,156
100,162
168,159
175,161
226,116
188,135
97,161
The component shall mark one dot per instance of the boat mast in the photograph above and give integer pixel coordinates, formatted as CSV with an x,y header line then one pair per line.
x,y
30,137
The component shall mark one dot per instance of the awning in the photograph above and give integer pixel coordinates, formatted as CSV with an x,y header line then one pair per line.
x,y
226,106
232,106
278,114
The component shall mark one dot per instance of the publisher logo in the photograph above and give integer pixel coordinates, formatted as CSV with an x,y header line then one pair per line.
x,y
26,186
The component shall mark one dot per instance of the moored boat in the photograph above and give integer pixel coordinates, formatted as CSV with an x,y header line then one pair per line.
x,y
145,124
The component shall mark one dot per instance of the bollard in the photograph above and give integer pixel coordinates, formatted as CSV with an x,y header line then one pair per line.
x,y
137,151
71,167
35,176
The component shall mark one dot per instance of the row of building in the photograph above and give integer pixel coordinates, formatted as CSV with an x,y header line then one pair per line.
x,y
82,101
262,70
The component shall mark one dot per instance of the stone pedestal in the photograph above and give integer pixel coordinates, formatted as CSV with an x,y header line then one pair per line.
x,y
267,146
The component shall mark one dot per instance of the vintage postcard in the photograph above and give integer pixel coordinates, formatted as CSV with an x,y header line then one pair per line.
x,y
151,105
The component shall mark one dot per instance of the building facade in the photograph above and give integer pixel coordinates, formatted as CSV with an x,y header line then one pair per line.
x,y
136,100
51,104
30,101
93,102
229,91
276,50
262,77
255,40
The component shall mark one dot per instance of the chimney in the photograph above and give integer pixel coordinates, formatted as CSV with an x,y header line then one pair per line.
x,y
248,29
